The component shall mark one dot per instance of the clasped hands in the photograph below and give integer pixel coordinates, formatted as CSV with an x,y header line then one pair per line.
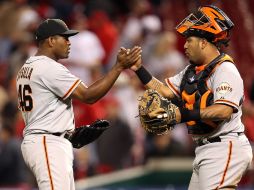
x,y
129,58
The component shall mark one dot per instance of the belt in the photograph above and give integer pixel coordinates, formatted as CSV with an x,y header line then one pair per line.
x,y
55,134
204,141
66,135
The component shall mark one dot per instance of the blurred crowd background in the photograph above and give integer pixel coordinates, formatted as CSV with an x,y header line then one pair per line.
x,y
105,26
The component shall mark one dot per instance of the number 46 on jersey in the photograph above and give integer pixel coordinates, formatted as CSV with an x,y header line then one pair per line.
x,y
25,98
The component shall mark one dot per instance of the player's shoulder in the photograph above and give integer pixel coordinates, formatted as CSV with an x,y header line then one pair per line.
x,y
38,59
185,68
227,67
42,62
44,67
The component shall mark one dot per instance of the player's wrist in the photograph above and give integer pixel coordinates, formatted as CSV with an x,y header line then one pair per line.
x,y
143,75
189,115
136,67
119,67
178,115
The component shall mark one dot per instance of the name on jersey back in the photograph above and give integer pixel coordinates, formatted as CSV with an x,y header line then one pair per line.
x,y
25,73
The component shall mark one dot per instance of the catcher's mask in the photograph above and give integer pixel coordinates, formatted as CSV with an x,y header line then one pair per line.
x,y
208,22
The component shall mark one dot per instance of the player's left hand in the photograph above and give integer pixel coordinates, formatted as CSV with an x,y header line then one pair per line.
x,y
84,135
157,114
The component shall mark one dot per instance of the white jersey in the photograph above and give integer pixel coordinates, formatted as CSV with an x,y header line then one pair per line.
x,y
44,87
227,87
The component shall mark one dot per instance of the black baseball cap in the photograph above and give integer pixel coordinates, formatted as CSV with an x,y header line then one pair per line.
x,y
52,27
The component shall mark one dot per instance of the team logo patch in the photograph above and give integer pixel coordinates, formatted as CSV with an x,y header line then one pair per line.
x,y
224,88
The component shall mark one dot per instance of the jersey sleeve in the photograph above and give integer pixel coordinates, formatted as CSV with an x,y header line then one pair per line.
x,y
60,81
174,82
228,86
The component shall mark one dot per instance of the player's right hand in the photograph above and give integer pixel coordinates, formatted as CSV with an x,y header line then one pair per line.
x,y
128,57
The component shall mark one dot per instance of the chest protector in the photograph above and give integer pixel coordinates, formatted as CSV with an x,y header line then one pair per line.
x,y
196,94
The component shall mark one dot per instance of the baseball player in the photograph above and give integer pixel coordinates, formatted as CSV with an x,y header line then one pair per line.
x,y
210,89
45,92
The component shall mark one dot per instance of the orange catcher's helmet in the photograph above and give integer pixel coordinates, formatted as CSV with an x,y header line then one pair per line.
x,y
208,22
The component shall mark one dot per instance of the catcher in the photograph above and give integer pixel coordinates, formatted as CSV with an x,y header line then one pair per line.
x,y
210,90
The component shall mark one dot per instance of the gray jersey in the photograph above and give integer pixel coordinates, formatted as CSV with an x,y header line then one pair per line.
x,y
44,87
227,87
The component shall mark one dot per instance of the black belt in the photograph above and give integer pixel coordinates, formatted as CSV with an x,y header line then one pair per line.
x,y
57,134
67,135
207,141
213,139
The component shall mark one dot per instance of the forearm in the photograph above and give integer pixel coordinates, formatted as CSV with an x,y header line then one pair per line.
x,y
98,89
157,85
151,82
125,59
215,112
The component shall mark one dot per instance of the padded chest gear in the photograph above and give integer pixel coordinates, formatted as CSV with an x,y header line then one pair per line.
x,y
196,95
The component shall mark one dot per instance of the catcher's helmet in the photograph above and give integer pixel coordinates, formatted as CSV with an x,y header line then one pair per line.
x,y
208,22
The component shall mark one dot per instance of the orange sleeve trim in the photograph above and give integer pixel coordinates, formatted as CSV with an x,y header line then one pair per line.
x,y
47,160
71,89
222,101
170,85
226,168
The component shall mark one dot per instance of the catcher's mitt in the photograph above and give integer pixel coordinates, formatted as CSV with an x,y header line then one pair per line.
x,y
156,113
84,135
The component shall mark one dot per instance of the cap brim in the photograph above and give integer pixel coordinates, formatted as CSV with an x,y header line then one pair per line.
x,y
70,33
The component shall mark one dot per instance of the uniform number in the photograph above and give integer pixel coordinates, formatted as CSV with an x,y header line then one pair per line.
x,y
25,98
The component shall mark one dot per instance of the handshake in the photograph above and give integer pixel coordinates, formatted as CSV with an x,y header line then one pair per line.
x,y
129,58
